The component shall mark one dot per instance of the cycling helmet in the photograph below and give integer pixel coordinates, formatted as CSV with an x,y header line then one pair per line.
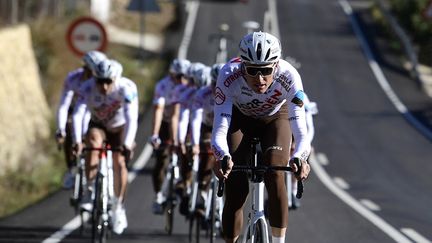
x,y
179,66
92,58
108,69
199,74
260,48
214,73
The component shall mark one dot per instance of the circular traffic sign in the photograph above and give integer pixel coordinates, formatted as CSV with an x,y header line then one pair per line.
x,y
86,34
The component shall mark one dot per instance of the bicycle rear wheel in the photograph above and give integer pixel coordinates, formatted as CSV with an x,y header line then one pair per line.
x,y
213,211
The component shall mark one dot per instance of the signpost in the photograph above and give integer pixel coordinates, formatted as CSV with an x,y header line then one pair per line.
x,y
86,34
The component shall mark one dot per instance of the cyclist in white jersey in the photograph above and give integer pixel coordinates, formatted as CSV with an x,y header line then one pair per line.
x,y
258,95
198,75
113,103
163,115
201,128
71,85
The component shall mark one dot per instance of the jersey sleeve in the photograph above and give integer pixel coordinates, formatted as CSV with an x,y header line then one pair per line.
x,y
131,113
297,118
159,96
197,117
65,101
222,119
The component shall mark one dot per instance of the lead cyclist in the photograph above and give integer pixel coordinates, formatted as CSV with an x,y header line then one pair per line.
x,y
259,95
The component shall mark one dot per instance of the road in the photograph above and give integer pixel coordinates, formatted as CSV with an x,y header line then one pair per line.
x,y
371,165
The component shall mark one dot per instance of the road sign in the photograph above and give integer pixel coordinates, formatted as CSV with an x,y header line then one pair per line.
x,y
427,12
86,34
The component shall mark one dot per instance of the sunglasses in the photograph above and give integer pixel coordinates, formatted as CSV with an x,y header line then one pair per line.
x,y
253,71
178,76
104,81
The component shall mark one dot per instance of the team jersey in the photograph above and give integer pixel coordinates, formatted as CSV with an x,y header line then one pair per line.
x,y
71,86
202,112
232,89
117,108
163,95
183,94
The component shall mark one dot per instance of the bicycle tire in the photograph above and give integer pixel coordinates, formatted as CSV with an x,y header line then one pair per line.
x,y
195,227
213,212
99,229
169,208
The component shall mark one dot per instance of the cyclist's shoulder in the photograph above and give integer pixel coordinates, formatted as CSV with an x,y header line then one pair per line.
x,y
74,75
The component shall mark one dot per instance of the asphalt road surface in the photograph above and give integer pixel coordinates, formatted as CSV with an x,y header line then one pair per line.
x,y
370,179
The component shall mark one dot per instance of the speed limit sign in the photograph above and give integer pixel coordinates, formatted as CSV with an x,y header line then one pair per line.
x,y
86,34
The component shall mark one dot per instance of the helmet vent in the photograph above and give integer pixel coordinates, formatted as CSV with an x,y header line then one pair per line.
x,y
259,51
250,55
267,55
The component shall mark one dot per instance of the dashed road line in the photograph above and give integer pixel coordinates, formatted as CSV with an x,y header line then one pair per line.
x,y
354,204
370,205
415,236
341,183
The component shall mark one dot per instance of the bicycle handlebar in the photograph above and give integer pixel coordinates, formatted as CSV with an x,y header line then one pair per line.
x,y
260,168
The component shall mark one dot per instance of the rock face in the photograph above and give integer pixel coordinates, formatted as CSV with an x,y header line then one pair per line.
x,y
24,112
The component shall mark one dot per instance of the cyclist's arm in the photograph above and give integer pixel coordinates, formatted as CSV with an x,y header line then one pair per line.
x,y
77,119
62,112
183,124
158,110
297,117
175,123
221,123
197,117
131,115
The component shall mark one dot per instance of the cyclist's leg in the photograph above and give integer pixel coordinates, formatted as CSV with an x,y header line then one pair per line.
x,y
206,158
94,139
67,145
162,157
119,164
236,190
276,143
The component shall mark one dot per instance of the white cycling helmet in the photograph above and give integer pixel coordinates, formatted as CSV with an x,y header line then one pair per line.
x,y
260,48
200,74
92,58
214,73
108,69
179,66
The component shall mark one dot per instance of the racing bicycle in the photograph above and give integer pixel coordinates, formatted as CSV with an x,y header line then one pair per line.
x,y
256,230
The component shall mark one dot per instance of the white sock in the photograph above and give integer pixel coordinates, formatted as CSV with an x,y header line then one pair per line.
x,y
278,239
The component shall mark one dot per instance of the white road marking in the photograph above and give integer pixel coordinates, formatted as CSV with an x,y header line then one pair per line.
x,y
192,9
380,75
369,204
354,204
322,158
341,183
75,223
418,238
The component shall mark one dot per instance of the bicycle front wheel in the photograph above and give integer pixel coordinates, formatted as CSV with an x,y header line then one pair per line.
x,y
99,227
170,205
260,234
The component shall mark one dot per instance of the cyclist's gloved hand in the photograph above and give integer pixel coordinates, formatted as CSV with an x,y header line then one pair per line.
x,y
155,141
77,149
60,137
223,167
127,153
300,168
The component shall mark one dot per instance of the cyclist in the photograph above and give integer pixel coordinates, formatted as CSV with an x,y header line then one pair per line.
x,y
258,95
71,85
162,131
199,76
311,110
201,126
113,103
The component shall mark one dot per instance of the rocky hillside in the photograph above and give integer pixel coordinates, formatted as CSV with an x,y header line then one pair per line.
x,y
24,113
